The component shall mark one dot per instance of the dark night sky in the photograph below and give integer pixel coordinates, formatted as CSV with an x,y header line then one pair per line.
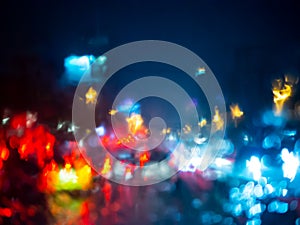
x,y
245,43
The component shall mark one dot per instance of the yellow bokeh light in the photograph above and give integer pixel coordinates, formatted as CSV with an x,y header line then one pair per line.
x,y
281,92
91,96
106,167
135,123
112,112
84,175
166,130
218,121
236,112
202,123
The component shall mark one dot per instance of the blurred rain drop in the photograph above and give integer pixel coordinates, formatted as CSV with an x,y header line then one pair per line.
x,y
269,189
196,203
293,205
229,221
297,146
258,191
217,218
263,181
271,141
269,118
254,222
282,207
273,206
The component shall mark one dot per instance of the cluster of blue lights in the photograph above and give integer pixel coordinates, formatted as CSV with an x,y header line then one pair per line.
x,y
76,66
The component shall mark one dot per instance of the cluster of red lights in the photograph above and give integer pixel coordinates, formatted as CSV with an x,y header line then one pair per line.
x,y
32,141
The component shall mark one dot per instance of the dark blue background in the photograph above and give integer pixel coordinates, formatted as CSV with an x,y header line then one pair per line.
x,y
245,43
